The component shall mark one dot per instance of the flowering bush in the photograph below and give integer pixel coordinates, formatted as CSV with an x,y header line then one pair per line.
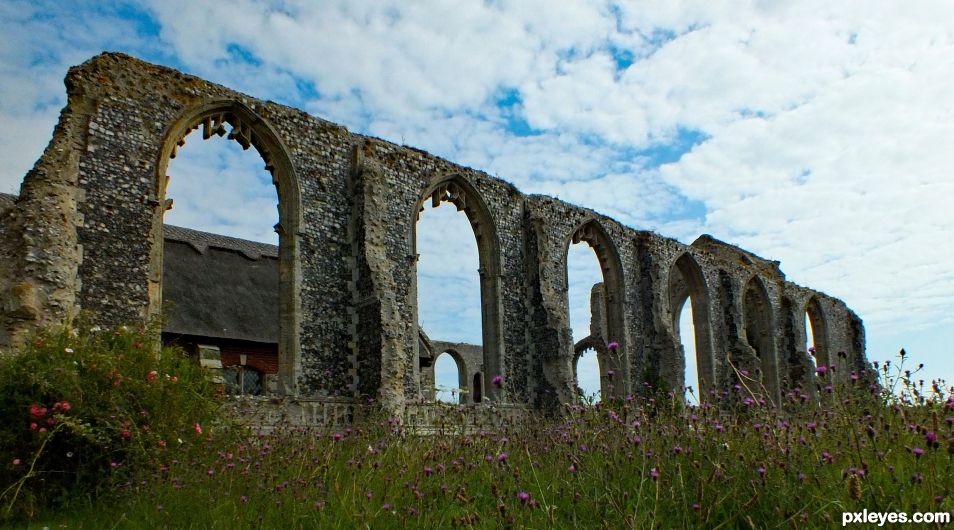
x,y
83,407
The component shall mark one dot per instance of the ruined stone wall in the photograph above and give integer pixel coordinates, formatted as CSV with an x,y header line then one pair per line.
x,y
85,234
470,362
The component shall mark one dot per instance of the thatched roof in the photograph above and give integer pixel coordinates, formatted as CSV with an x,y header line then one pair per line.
x,y
219,286
7,201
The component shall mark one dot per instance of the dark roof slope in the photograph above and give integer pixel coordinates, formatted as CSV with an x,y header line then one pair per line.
x,y
7,201
219,286
201,241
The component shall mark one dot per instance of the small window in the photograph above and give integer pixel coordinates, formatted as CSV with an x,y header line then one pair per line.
x,y
242,380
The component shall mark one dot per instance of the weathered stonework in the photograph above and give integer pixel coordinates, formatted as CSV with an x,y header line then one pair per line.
x,y
86,234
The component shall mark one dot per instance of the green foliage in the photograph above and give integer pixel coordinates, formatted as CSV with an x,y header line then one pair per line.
x,y
85,409
628,463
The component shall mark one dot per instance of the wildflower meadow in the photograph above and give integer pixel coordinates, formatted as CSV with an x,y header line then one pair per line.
x,y
150,452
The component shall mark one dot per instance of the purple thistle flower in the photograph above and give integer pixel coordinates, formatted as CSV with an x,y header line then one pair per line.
x,y
613,345
502,457
821,370
497,380
428,470
654,473
917,452
572,468
524,497
610,373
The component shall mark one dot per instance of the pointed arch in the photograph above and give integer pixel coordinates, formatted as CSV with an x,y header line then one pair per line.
x,y
242,124
759,332
462,376
454,188
595,235
819,325
686,281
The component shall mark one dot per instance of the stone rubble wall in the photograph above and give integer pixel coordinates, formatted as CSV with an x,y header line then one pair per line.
x,y
85,234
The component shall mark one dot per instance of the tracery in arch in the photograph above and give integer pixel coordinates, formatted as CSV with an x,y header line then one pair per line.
x,y
608,326
241,330
476,294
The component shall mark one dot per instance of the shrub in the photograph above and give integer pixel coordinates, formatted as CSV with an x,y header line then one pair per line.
x,y
85,407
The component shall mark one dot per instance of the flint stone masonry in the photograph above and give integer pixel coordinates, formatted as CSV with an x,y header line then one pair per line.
x,y
85,234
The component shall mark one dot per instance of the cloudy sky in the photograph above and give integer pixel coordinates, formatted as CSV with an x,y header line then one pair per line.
x,y
814,132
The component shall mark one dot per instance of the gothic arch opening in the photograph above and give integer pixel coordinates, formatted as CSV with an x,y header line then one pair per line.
x,y
588,358
816,333
607,308
237,122
689,305
456,190
450,378
759,334
586,367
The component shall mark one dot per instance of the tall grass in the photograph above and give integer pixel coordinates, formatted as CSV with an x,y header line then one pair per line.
x,y
625,464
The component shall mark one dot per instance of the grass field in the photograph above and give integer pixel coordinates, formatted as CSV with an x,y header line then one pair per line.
x,y
632,463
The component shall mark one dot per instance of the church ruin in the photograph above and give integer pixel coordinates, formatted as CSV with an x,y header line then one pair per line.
x,y
86,233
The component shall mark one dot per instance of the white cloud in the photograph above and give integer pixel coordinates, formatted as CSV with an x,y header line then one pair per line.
x,y
826,126
244,203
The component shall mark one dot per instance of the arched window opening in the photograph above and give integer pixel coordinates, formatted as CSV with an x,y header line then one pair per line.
x,y
457,281
689,303
816,333
220,283
215,186
687,334
585,294
448,286
447,379
588,375
594,303
810,342
759,334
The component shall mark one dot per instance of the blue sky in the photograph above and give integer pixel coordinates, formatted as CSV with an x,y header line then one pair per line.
x,y
816,133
